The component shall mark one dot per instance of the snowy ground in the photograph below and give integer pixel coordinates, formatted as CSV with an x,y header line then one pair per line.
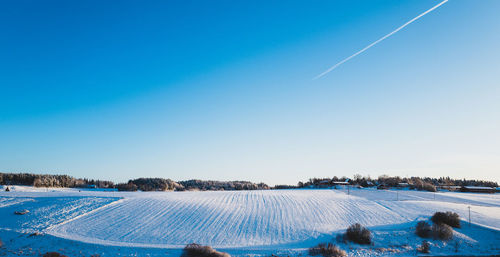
x,y
285,222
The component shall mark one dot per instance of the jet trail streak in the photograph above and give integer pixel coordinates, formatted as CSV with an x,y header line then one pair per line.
x,y
380,40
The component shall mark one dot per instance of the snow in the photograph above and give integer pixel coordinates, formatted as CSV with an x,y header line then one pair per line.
x,y
477,187
239,222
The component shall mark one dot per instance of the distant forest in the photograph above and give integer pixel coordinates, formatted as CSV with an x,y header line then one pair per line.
x,y
143,184
161,184
426,183
45,180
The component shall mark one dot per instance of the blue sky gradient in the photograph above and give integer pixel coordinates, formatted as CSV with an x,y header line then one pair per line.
x,y
223,90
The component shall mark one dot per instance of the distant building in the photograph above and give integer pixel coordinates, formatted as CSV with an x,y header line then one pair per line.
x,y
475,189
403,185
324,183
382,186
341,184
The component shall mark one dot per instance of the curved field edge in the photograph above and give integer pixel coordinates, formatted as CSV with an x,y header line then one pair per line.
x,y
247,219
47,211
394,239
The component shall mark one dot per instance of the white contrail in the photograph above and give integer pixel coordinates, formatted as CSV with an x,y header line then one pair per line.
x,y
378,41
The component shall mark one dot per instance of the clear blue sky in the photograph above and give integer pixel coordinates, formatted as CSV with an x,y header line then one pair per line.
x,y
223,90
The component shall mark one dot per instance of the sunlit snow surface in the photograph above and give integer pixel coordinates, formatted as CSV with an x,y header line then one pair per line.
x,y
243,220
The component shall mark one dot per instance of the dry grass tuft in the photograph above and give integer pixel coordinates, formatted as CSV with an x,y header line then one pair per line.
x,y
327,250
425,247
196,250
53,254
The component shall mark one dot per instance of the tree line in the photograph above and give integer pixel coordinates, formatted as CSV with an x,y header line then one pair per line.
x,y
47,180
419,183
161,184
143,184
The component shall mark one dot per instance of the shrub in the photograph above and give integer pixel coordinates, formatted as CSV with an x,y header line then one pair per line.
x,y
53,254
327,250
1,243
448,218
358,234
419,184
429,187
425,247
196,250
423,229
442,231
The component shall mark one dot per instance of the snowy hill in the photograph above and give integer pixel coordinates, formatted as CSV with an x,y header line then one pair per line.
x,y
246,221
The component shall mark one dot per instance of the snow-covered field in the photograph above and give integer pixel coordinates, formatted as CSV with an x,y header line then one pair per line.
x,y
81,223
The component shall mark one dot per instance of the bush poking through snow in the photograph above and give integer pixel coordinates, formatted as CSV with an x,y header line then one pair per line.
x,y
327,250
53,254
358,234
448,218
423,229
196,250
442,231
21,212
425,247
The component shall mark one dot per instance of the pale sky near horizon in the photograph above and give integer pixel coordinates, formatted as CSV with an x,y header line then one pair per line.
x,y
224,90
